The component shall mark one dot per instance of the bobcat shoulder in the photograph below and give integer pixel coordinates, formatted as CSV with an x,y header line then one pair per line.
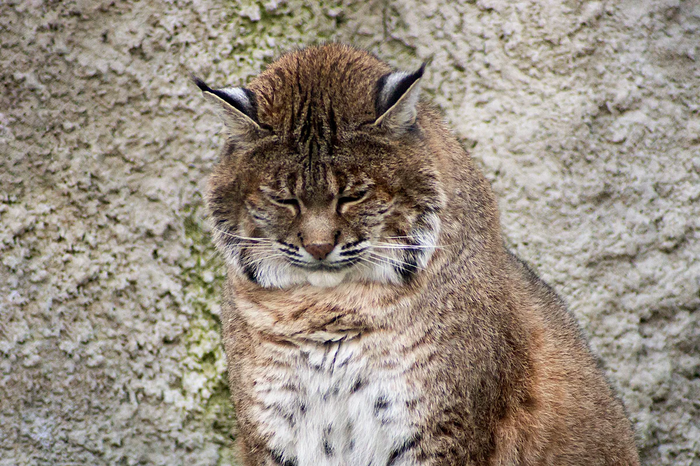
x,y
371,313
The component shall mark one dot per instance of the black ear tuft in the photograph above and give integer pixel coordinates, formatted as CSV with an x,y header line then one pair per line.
x,y
391,87
200,83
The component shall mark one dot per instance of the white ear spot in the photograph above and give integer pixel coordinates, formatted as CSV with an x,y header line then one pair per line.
x,y
397,98
237,95
236,108
390,85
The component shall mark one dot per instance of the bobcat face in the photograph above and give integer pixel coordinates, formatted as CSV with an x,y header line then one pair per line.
x,y
310,193
289,227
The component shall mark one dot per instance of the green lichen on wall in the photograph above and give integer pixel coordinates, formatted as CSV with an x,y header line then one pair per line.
x,y
260,31
204,382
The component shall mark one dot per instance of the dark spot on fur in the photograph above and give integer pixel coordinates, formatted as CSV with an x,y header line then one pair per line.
x,y
333,319
380,405
402,449
327,448
529,403
279,459
409,265
358,385
299,312
250,273
318,368
333,392
289,417
333,126
450,427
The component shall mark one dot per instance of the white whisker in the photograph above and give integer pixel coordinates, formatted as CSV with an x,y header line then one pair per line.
x,y
366,263
261,259
367,260
395,260
405,246
256,240
379,260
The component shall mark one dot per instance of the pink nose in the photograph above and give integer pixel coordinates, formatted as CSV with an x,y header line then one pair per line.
x,y
319,250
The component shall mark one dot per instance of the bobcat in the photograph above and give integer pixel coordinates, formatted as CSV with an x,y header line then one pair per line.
x,y
371,314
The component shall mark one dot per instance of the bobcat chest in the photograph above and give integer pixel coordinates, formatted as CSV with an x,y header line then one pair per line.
x,y
331,404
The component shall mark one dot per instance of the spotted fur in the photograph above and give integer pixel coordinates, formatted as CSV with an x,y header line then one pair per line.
x,y
371,314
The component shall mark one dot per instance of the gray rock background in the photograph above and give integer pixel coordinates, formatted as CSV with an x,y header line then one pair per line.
x,y
584,115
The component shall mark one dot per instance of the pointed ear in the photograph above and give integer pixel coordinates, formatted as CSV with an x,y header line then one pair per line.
x,y
236,106
397,97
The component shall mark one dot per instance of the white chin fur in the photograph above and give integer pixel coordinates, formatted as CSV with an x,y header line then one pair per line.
x,y
326,279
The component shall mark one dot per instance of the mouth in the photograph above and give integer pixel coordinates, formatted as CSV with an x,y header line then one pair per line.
x,y
318,266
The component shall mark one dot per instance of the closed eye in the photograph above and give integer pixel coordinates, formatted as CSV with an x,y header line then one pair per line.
x,y
288,202
352,198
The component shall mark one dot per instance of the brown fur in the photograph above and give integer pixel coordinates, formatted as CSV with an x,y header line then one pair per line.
x,y
503,373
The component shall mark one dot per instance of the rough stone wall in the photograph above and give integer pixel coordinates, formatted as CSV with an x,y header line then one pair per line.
x,y
584,115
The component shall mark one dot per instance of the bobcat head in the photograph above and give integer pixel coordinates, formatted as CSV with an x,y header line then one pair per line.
x,y
326,175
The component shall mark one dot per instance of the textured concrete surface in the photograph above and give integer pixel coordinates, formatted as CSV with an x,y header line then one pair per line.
x,y
584,115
